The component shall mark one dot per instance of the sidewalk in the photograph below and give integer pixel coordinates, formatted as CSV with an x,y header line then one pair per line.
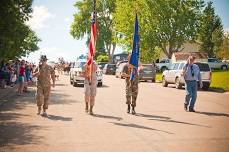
x,y
7,93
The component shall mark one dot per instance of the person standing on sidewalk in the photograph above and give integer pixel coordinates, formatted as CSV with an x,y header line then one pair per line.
x,y
90,86
44,74
21,78
191,73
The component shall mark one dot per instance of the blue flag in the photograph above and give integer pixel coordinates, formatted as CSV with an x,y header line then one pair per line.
x,y
135,51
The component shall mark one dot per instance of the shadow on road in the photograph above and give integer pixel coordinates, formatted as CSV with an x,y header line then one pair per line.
x,y
15,133
131,125
213,114
167,119
151,116
56,118
180,122
107,117
82,86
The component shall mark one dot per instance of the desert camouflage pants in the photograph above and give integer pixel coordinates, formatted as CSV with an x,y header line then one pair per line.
x,y
43,96
131,93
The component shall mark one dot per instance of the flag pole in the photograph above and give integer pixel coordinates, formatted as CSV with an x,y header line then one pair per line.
x,y
94,16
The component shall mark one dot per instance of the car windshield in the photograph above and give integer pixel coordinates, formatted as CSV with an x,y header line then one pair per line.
x,y
147,67
203,66
111,65
79,64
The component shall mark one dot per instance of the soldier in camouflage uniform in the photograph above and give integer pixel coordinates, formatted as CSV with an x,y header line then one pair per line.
x,y
131,88
44,74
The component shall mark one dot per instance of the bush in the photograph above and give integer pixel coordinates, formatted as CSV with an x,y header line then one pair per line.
x,y
102,58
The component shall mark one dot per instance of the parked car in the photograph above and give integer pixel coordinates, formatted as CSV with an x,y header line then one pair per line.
x,y
76,71
102,64
109,69
217,64
163,65
147,72
173,75
119,71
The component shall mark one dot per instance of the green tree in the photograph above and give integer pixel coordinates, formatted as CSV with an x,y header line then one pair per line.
x,y
223,52
102,58
165,24
211,31
81,26
16,38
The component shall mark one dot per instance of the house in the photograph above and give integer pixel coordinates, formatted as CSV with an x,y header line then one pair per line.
x,y
183,56
186,47
120,57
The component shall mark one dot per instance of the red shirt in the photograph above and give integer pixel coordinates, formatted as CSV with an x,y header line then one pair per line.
x,y
22,71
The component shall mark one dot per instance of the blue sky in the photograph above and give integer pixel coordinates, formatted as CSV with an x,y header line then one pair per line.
x,y
52,19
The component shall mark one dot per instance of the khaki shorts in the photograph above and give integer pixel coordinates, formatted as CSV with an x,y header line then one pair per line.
x,y
90,90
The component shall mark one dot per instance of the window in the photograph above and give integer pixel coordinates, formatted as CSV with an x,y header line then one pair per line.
x,y
181,66
171,66
203,66
163,61
176,66
79,64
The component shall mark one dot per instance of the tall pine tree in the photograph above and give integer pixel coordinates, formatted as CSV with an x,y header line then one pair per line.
x,y
211,31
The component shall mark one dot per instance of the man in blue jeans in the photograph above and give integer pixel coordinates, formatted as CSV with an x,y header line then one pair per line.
x,y
191,73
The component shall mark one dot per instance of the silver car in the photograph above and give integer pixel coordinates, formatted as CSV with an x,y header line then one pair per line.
x,y
76,74
174,75
147,72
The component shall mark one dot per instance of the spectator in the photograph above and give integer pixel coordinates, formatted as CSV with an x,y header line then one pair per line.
x,y
21,78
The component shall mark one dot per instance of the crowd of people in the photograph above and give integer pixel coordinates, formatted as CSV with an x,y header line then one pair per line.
x,y
16,72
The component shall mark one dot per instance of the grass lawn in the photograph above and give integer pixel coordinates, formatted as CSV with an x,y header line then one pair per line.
x,y
220,79
158,77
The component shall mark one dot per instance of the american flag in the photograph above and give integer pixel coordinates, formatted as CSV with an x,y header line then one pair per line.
x,y
92,45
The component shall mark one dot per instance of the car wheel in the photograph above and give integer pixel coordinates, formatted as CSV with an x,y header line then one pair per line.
x,y
206,86
163,69
100,84
164,83
178,84
71,81
223,67
75,84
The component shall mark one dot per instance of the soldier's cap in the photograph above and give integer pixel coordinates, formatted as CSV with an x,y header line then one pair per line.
x,y
43,58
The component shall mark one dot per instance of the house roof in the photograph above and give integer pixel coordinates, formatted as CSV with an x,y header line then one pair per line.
x,y
185,55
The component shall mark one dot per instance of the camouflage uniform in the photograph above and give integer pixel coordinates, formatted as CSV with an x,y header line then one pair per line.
x,y
44,85
131,87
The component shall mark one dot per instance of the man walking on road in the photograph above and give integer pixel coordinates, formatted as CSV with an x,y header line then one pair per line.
x,y
90,85
131,88
191,73
44,74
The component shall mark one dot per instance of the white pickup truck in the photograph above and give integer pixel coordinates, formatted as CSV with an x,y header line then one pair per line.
x,y
163,65
76,72
217,64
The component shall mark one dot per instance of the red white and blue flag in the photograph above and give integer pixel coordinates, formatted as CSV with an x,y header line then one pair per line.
x,y
92,45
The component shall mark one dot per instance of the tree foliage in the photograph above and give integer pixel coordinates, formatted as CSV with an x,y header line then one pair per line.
x,y
211,31
105,42
165,24
223,52
102,58
16,38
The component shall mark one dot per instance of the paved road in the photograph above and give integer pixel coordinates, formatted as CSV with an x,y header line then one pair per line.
x,y
161,124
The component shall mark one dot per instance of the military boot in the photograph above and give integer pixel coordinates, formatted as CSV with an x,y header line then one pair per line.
x,y
86,108
133,110
128,108
91,110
